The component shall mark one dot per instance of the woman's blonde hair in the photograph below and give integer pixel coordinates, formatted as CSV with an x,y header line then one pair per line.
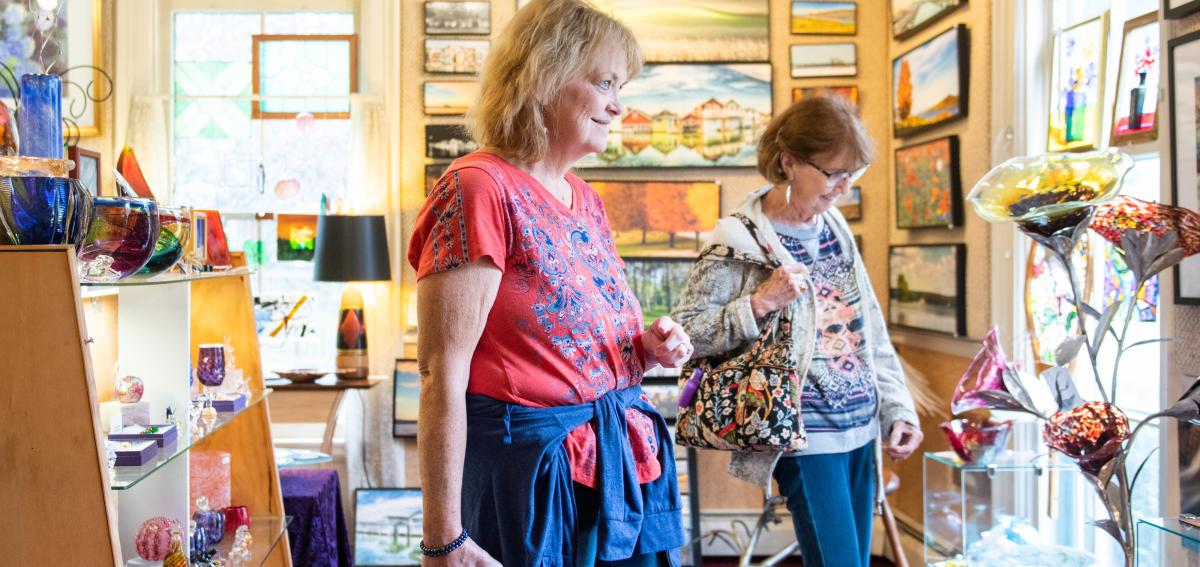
x,y
813,126
547,43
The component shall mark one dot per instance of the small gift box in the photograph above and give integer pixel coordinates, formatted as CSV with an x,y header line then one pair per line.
x,y
229,402
161,434
136,453
137,413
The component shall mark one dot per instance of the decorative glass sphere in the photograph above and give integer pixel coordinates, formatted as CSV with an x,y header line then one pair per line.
x,y
130,389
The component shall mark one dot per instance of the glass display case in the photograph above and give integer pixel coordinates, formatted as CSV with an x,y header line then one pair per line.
x,y
987,515
1167,541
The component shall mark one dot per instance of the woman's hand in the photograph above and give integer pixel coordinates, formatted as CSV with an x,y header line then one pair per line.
x,y
666,343
783,287
903,440
468,555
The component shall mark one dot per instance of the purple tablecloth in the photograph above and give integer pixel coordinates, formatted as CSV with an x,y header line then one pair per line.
x,y
313,498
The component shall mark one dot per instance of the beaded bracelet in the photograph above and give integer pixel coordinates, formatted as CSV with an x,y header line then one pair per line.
x,y
446,549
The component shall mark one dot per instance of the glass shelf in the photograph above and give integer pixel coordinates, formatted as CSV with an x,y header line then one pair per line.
x,y
1006,461
266,531
124,478
1167,541
161,279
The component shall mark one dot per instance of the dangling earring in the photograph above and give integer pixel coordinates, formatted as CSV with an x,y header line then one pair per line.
x,y
787,194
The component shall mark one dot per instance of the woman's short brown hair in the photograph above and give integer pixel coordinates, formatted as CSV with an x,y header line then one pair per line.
x,y
813,126
547,43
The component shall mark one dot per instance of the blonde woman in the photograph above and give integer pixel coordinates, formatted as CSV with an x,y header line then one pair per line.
x,y
537,445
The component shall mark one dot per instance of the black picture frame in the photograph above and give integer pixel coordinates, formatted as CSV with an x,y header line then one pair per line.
x,y
1181,10
364,521
955,180
403,376
902,319
677,272
963,59
909,32
434,27
1190,265
448,141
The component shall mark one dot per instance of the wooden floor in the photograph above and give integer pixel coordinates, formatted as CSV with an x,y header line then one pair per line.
x,y
797,562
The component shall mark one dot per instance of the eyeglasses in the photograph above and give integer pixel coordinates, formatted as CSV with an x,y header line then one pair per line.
x,y
834,178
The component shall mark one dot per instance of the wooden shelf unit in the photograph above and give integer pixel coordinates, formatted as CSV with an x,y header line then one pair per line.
x,y
52,464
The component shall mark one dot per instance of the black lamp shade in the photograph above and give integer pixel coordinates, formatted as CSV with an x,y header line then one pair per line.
x,y
351,248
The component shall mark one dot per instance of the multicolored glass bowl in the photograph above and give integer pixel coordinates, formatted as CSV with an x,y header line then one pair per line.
x,y
120,240
174,235
39,204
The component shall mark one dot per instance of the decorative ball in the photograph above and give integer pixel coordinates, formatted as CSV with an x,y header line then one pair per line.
x,y
153,540
1091,434
130,390
287,188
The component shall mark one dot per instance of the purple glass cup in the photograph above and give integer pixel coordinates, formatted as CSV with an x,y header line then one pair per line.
x,y
210,369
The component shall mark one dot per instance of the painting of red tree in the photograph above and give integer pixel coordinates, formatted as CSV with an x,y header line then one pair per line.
x,y
660,218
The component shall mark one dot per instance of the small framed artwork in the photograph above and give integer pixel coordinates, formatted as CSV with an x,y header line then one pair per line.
x,y
87,168
1134,117
295,236
851,204
449,98
681,31
824,18
930,83
926,286
928,188
912,16
1175,9
387,526
1183,76
458,18
462,56
657,283
660,218
433,173
406,393
448,141
849,93
664,394
1077,86
824,60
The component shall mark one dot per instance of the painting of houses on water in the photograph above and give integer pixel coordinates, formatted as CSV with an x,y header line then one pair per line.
x,y
689,115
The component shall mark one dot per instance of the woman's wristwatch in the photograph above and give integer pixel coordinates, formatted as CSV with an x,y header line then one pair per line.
x,y
445,549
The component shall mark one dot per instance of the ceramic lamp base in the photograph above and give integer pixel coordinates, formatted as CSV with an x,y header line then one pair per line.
x,y
352,335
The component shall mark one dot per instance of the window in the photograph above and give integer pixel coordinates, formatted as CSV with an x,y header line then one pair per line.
x,y
252,169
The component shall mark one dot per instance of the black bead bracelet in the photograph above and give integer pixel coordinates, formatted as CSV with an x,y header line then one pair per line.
x,y
446,549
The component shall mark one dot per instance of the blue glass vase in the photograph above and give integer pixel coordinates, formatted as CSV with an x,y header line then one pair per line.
x,y
40,205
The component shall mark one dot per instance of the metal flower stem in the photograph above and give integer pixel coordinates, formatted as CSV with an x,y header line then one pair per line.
x,y
1065,256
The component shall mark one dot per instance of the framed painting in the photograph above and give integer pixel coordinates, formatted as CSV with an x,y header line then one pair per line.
x,y
448,141
449,98
679,31
824,60
1077,86
1183,76
461,56
657,283
406,393
926,287
1134,117
387,526
458,18
930,83
912,16
851,204
849,93
87,168
433,173
928,187
1050,315
660,218
1174,9
824,18
295,237
690,115
664,394
281,65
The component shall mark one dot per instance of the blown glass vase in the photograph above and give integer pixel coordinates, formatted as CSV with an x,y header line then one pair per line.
x,y
174,235
39,204
120,240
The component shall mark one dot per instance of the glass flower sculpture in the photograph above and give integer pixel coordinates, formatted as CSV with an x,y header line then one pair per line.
x,y
977,441
1055,198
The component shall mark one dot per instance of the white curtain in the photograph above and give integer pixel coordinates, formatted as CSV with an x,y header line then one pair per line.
x,y
147,134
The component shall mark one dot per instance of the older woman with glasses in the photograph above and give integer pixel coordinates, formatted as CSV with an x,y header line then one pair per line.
x,y
853,386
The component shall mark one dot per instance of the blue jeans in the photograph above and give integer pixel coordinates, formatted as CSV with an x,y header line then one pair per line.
x,y
832,499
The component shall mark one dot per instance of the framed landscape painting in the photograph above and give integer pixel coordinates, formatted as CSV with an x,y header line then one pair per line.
x,y
851,204
660,218
1136,103
824,60
406,390
677,31
930,83
462,56
1077,86
849,93
458,18
824,18
657,283
433,173
912,16
664,394
689,115
295,237
1183,76
448,141
926,285
446,98
928,188
387,526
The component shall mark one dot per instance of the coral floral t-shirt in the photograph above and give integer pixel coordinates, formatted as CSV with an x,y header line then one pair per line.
x,y
565,328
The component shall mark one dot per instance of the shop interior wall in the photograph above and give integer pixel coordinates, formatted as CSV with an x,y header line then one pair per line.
x,y
1187,317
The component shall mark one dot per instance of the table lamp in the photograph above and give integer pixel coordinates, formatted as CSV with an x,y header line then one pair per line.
x,y
351,248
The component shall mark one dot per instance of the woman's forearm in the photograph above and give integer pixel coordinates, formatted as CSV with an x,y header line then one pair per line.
x,y
442,440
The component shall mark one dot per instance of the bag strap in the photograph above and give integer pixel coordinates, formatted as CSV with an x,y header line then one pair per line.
x,y
755,233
